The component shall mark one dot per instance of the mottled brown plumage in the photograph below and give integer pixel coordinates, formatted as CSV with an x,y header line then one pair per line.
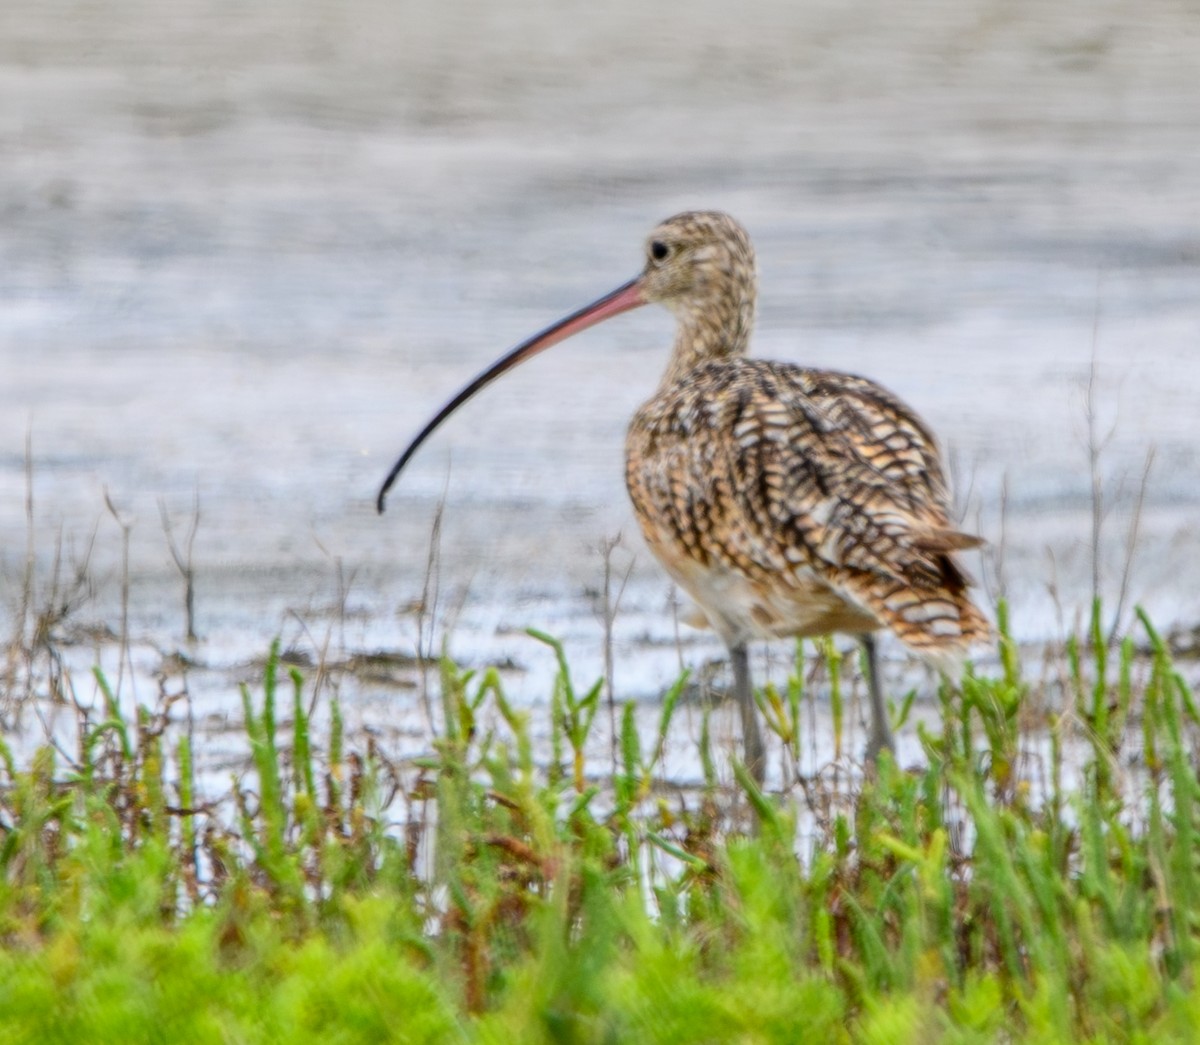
x,y
785,501
816,490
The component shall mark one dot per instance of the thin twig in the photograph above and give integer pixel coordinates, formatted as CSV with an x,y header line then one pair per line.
x,y
609,608
427,606
183,561
126,527
1131,545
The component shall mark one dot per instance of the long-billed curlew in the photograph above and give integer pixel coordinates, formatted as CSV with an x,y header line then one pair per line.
x,y
785,501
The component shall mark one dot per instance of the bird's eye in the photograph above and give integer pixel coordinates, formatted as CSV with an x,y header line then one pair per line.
x,y
659,250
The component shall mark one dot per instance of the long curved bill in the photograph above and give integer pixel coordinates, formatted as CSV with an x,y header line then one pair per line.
x,y
624,298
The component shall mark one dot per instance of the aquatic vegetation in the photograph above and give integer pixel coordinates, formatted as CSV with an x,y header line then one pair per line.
x,y
1034,880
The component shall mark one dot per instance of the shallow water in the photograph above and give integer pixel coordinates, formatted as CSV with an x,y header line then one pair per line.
x,y
245,253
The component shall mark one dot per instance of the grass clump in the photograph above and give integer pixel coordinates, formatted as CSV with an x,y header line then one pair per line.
x,y
1035,880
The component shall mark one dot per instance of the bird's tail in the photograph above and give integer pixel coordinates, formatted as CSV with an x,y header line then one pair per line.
x,y
942,629
937,621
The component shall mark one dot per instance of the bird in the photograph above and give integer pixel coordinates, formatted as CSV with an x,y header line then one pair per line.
x,y
786,501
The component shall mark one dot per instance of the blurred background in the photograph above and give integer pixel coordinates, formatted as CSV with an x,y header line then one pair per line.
x,y
247,249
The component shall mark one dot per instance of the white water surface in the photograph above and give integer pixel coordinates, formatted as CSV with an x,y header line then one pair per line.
x,y
245,251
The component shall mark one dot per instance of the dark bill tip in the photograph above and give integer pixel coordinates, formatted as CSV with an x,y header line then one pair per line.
x,y
624,298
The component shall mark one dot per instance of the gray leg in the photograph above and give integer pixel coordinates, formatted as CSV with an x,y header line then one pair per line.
x,y
752,741
881,733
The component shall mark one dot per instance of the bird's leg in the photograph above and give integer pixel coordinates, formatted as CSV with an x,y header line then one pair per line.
x,y
881,731
752,741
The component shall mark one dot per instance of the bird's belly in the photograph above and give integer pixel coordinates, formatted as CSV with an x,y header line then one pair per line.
x,y
741,609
